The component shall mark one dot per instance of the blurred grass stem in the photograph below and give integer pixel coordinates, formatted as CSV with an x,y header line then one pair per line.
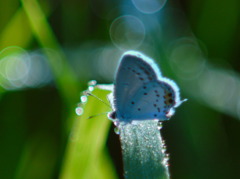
x,y
56,57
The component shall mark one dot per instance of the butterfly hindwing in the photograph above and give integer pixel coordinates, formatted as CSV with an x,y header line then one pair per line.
x,y
152,101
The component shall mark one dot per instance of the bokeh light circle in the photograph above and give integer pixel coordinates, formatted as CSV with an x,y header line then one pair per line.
x,y
127,32
187,59
149,6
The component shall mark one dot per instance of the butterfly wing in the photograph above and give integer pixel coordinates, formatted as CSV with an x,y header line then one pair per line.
x,y
140,92
134,71
153,101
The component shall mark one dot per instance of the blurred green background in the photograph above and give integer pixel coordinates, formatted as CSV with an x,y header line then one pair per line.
x,y
49,50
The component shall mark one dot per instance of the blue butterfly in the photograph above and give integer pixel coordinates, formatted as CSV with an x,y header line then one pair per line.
x,y
140,92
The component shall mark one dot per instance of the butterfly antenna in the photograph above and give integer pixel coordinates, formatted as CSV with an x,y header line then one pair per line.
x,y
96,115
90,94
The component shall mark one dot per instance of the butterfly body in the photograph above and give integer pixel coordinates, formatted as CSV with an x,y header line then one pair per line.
x,y
140,92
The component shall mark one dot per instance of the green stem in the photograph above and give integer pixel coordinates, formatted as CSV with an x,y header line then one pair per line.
x,y
143,151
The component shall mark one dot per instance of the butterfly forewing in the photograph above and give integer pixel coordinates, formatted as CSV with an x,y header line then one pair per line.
x,y
132,74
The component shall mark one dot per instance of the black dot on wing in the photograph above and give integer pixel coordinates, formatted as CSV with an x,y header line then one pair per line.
x,y
141,78
144,87
155,91
147,72
138,73
139,109
133,102
158,109
145,93
157,95
170,101
155,105
155,115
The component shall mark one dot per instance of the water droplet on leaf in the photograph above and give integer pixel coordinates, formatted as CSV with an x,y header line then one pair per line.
x,y
83,99
92,83
90,88
159,125
117,130
79,111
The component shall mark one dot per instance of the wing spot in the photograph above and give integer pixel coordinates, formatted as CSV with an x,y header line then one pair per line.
x,y
170,101
155,91
145,93
141,78
144,87
133,102
133,71
156,100
147,72
139,109
155,115
129,68
138,73
157,95
158,109
150,78
155,105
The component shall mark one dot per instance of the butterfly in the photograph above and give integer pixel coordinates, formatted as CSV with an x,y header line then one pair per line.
x,y
140,92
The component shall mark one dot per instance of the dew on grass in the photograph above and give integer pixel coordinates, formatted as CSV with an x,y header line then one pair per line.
x,y
159,125
83,99
92,83
90,88
79,111
117,130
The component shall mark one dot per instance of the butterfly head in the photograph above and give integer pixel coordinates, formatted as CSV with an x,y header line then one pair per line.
x,y
112,115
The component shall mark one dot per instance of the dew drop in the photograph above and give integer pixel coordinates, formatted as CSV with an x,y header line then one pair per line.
x,y
167,156
165,162
117,130
83,99
90,88
116,123
79,111
92,83
159,125
164,148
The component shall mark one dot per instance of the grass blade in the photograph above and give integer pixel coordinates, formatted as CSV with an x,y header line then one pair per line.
x,y
86,155
143,151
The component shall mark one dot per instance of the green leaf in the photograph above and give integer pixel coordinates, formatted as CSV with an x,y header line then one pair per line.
x,y
86,154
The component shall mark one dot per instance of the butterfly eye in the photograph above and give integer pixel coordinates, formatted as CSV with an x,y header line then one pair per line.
x,y
170,101
112,115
